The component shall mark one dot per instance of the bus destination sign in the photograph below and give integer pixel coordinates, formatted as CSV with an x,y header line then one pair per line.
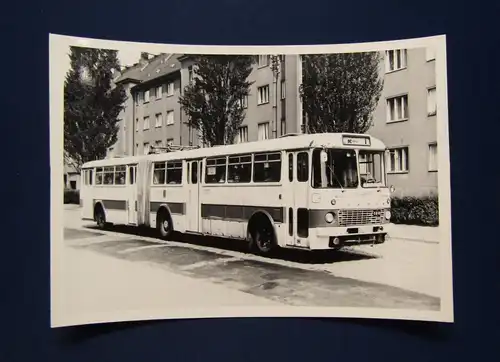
x,y
356,141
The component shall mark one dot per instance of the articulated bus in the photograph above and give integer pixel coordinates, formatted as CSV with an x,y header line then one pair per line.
x,y
310,191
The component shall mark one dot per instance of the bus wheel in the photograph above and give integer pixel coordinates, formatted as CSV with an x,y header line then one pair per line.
x,y
100,218
263,239
164,224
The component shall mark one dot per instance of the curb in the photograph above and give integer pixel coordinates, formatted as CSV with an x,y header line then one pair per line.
x,y
414,240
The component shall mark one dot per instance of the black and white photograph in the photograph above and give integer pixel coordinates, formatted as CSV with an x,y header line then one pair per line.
x,y
249,181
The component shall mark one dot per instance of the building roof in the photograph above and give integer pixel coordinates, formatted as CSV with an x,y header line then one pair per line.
x,y
158,67
131,74
328,140
154,68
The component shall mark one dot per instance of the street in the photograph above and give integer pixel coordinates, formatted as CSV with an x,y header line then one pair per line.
x,y
124,264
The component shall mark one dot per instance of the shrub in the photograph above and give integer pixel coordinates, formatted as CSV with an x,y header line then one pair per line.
x,y
71,197
411,210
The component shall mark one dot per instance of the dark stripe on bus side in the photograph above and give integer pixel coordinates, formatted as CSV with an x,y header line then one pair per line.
x,y
113,204
239,212
178,208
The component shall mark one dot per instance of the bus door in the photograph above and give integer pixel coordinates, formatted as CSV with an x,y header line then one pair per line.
x,y
193,209
298,210
131,187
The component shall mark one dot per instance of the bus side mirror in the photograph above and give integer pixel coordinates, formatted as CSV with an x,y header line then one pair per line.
x,y
324,156
392,188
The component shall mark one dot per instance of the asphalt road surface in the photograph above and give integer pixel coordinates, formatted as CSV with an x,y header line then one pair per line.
x,y
292,278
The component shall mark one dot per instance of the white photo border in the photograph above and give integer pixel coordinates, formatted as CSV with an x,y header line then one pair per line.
x,y
58,50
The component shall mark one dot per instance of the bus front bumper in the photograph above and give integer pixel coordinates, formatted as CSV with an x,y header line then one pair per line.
x,y
338,237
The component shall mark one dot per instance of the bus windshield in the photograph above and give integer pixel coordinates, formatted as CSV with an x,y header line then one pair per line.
x,y
371,168
339,171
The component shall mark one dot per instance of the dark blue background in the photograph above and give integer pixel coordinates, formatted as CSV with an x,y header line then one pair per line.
x,y
472,31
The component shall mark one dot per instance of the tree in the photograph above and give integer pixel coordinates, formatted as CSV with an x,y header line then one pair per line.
x,y
91,105
213,101
340,91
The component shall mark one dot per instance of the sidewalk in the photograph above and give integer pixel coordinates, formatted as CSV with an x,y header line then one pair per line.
x,y
427,234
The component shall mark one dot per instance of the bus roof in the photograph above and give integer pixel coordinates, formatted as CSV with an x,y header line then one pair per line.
x,y
301,141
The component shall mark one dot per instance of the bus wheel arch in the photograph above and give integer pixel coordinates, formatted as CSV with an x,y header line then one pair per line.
x,y
164,222
261,232
100,215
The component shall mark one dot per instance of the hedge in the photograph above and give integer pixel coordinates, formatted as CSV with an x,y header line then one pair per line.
x,y
411,210
71,197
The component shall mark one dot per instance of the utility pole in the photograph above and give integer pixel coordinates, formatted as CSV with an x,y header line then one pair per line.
x,y
275,67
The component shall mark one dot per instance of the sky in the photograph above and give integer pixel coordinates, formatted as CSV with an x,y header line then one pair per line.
x,y
126,57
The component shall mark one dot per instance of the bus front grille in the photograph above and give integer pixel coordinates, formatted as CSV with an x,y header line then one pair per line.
x,y
360,217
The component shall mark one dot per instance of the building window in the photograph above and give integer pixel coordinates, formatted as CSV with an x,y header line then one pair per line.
x,y
283,127
397,108
283,89
146,96
395,60
263,94
263,60
190,74
159,120
431,101
146,123
158,92
243,102
398,160
170,117
137,124
433,157
170,141
170,89
242,135
146,148
263,131
430,54
158,143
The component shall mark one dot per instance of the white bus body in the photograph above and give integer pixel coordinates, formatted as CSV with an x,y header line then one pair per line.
x,y
305,191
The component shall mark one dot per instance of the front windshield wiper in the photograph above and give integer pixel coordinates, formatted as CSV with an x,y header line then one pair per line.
x,y
334,175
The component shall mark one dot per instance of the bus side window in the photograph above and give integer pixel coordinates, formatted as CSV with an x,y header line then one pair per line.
x,y
290,167
302,166
90,172
194,173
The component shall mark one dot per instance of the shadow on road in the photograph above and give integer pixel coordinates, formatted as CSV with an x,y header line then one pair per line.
x,y
299,256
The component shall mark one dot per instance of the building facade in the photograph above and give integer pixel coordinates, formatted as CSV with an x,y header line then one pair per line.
x,y
405,118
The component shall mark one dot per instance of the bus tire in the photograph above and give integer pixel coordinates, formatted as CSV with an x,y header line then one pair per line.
x,y
164,224
262,236
100,216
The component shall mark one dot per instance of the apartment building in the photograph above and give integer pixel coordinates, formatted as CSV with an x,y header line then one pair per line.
x,y
405,118
153,116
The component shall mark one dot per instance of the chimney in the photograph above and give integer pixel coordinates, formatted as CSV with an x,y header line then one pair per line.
x,y
143,60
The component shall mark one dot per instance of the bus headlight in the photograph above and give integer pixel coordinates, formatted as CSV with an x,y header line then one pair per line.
x,y
387,214
329,217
